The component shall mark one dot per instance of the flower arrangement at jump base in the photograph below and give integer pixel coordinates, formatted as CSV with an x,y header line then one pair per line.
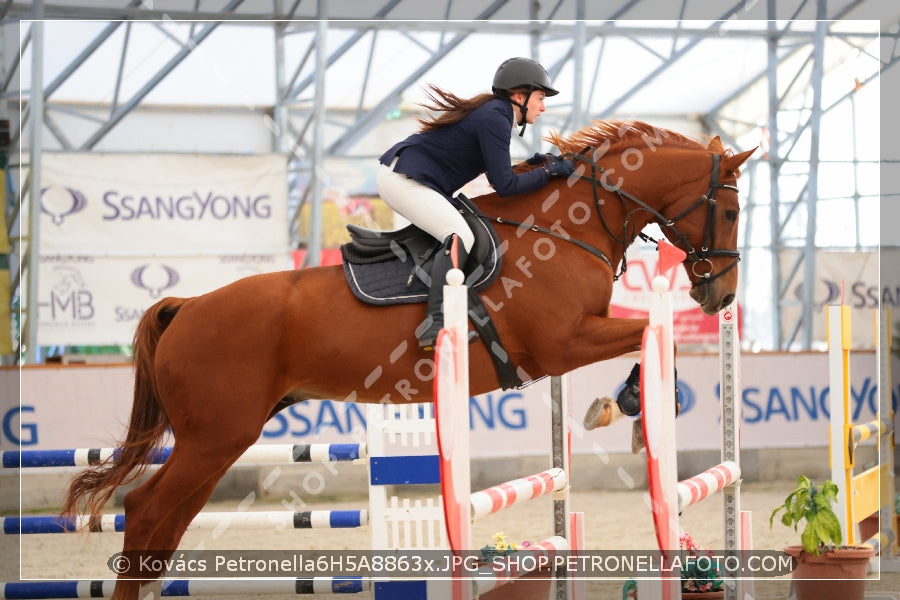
x,y
501,547
700,573
531,586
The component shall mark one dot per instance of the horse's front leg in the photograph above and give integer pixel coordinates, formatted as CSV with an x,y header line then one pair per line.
x,y
627,337
596,339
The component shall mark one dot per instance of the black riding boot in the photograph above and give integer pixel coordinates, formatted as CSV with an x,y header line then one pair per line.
x,y
434,317
629,399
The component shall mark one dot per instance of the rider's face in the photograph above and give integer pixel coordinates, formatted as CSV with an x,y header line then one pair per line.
x,y
535,105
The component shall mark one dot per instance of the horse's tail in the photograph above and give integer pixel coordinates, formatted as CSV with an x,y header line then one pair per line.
x,y
92,488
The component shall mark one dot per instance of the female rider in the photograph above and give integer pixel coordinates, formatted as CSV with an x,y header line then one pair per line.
x,y
467,137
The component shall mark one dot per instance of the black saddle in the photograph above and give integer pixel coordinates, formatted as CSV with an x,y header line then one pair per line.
x,y
393,267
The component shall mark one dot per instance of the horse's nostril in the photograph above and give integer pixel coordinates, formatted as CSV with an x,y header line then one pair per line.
x,y
726,301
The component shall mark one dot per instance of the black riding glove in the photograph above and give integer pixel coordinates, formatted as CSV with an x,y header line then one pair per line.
x,y
559,167
538,159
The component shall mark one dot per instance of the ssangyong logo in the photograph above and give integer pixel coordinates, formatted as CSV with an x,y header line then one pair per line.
x,y
832,294
59,205
155,278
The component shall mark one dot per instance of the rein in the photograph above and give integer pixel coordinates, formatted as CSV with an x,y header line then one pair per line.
x,y
538,229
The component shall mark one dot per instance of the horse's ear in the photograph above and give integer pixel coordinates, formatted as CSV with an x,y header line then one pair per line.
x,y
715,145
733,162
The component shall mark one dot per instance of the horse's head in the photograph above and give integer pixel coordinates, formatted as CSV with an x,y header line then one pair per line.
x,y
705,226
688,189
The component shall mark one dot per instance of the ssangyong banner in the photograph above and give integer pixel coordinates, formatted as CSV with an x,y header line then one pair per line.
x,y
785,405
854,277
95,300
631,297
163,204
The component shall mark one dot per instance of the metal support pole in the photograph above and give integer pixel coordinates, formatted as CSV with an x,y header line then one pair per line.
x,y
280,139
36,100
559,410
578,62
317,180
774,161
534,45
812,190
730,400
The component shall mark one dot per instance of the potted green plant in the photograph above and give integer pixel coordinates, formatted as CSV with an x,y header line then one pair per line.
x,y
825,568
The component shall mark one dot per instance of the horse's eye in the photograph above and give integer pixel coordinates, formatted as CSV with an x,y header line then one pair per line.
x,y
731,216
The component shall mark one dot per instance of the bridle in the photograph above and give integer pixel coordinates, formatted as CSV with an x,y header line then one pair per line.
x,y
696,257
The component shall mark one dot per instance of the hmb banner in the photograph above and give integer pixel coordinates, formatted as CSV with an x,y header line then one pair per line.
x,y
97,300
163,204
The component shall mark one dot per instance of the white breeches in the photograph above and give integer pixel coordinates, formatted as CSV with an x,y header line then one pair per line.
x,y
424,207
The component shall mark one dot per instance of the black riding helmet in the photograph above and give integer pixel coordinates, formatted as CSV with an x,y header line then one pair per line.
x,y
522,72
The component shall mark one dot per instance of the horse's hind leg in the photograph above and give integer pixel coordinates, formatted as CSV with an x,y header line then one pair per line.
x,y
141,522
177,521
158,512
180,516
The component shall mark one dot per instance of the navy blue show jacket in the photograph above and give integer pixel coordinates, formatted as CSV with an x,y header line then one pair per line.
x,y
448,157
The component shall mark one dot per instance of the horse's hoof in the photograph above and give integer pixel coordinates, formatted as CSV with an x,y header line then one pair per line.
x,y
629,400
637,436
601,413
151,591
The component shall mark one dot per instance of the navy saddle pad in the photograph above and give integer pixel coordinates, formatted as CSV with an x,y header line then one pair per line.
x,y
393,267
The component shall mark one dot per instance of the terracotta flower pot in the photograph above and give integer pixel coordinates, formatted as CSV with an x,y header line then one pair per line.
x,y
837,574
868,527
703,595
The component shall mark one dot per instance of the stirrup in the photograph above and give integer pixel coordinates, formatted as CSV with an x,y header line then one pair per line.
x,y
425,346
428,337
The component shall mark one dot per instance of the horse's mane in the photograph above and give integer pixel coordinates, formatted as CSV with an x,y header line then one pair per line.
x,y
616,133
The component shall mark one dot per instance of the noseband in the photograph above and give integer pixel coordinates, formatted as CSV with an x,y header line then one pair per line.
x,y
696,257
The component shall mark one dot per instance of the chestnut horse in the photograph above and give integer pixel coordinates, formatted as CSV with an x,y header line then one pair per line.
x,y
216,367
